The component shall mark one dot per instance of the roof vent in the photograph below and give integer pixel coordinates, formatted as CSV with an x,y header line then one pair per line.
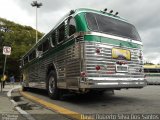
x,y
116,13
105,10
111,12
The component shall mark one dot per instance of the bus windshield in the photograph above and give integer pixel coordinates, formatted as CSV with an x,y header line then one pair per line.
x,y
104,24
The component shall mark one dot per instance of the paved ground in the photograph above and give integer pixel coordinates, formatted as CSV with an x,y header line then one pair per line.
x,y
146,101
7,110
132,101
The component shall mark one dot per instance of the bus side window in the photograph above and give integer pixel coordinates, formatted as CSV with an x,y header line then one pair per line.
x,y
72,26
45,45
40,48
32,55
61,33
25,60
53,38
39,51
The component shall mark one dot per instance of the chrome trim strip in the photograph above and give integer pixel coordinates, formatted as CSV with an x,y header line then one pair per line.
x,y
117,79
113,37
121,83
112,83
108,36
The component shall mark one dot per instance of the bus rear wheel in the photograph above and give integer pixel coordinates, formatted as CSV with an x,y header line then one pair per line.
x,y
53,91
25,88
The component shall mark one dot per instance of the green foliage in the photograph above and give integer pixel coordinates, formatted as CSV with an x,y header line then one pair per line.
x,y
20,38
148,63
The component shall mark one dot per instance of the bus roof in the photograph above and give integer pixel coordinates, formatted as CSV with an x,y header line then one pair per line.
x,y
80,10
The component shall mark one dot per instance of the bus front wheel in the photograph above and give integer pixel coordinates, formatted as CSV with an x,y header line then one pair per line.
x,y
53,91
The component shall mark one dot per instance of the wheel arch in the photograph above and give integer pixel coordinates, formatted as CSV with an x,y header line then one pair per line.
x,y
49,69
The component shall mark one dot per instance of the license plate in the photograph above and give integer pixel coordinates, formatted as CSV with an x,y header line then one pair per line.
x,y
121,68
121,54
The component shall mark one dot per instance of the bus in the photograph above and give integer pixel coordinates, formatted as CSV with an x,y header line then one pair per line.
x,y
152,74
88,50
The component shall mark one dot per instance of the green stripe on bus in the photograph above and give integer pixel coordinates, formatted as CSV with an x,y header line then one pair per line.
x,y
90,38
120,43
51,52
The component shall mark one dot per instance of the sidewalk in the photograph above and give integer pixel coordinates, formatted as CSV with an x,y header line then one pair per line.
x,y
5,103
6,106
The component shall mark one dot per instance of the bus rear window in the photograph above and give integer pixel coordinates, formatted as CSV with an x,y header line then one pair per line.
x,y
111,26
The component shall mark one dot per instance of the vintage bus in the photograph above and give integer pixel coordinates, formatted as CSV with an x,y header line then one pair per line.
x,y
87,50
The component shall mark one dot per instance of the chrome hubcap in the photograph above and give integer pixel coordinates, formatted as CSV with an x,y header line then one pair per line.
x,y
51,84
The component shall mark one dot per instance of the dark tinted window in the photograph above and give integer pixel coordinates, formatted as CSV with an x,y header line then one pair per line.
x,y
32,55
92,23
26,60
112,26
40,48
53,38
46,45
72,27
61,32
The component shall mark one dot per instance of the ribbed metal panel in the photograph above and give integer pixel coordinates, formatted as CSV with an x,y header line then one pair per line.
x,y
107,63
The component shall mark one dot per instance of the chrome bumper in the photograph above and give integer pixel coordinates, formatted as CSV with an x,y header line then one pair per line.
x,y
115,83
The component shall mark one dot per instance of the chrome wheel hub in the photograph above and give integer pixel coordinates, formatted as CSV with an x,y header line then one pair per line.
x,y
51,84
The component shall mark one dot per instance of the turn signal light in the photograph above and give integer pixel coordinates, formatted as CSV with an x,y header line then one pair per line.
x,y
98,51
83,74
98,67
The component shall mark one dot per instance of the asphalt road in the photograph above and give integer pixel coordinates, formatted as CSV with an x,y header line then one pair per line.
x,y
134,101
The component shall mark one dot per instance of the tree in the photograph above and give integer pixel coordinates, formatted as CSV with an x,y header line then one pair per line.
x,y
20,38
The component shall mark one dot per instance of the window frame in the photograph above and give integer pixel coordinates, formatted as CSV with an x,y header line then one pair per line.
x,y
51,38
68,26
31,54
57,30
46,40
118,35
24,63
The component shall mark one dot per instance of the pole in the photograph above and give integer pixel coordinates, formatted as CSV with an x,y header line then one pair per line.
x,y
37,5
4,68
36,26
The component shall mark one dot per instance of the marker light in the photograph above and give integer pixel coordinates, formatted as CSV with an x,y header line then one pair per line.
x,y
83,74
140,56
121,62
98,51
98,67
124,62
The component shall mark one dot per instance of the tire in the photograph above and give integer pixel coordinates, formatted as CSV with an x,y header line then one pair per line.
x,y
24,88
53,91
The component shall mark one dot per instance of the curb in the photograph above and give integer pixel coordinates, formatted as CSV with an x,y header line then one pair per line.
x,y
22,112
58,109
